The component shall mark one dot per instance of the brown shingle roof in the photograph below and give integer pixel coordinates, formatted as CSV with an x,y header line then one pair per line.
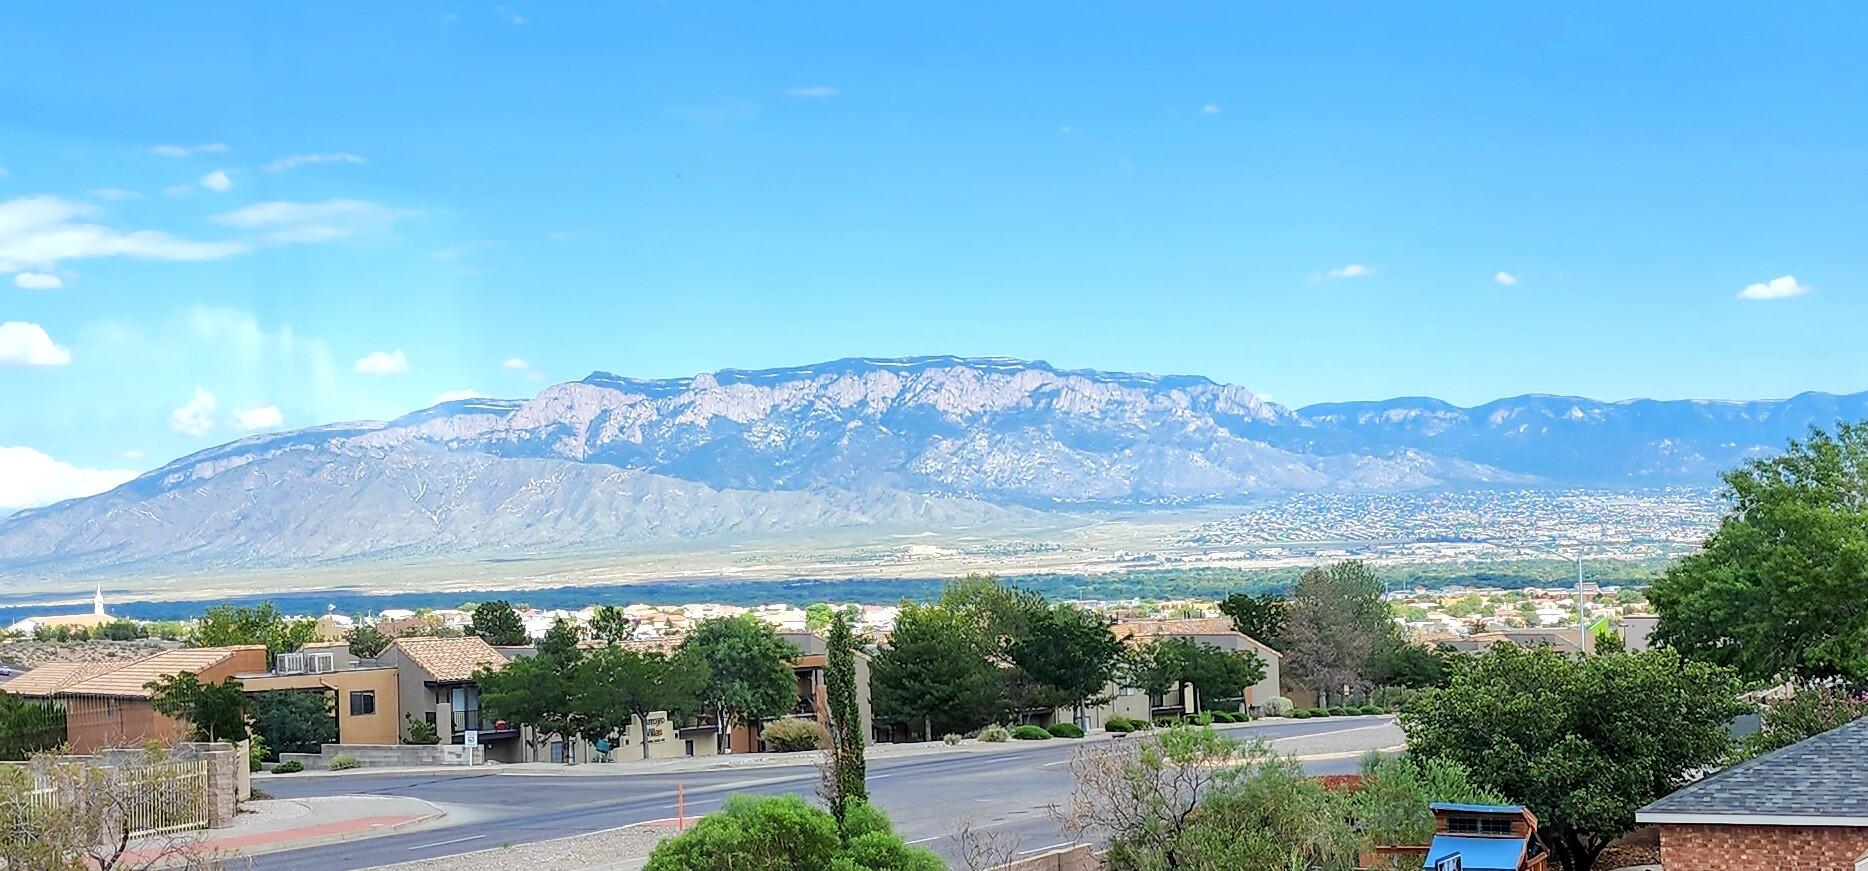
x,y
449,659
54,676
1158,628
127,681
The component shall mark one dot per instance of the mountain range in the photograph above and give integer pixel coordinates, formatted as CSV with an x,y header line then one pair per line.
x,y
900,444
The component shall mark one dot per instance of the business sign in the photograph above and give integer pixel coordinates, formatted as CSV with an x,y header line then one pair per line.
x,y
1449,863
656,728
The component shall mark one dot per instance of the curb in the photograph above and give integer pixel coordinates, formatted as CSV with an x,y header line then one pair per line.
x,y
340,837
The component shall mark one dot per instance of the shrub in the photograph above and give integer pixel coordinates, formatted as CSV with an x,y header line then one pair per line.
x,y
1064,730
343,762
1204,718
785,832
994,734
421,732
1338,711
791,735
1300,714
1278,706
290,766
951,738
1319,712
1119,725
1029,732
255,753
1370,709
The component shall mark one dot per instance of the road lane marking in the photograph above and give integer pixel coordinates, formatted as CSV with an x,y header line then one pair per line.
x,y
1044,849
927,839
445,843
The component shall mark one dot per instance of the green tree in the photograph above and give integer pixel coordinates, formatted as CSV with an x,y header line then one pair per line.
x,y
1582,741
293,721
849,771
367,642
817,616
1336,619
560,641
934,675
749,671
497,623
1777,589
122,630
1161,666
618,683
213,711
1811,711
1259,617
229,626
610,625
1397,662
28,727
1066,656
537,691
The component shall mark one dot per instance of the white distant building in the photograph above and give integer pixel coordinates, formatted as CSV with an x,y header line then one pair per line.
x,y
96,618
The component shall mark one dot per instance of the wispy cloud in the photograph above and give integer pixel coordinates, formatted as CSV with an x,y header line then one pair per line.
x,y
1506,279
40,232
1352,270
114,193
256,419
1210,109
217,181
294,161
28,344
188,150
1781,287
284,221
196,416
812,91
29,479
38,281
516,364
381,363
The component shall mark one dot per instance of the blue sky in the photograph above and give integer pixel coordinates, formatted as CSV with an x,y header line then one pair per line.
x,y
224,219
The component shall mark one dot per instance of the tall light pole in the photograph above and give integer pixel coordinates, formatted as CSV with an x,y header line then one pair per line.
x,y
1582,627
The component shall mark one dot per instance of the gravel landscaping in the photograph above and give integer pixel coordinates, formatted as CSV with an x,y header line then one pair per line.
x,y
623,849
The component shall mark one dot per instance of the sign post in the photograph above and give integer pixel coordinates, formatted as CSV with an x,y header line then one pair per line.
x,y
470,740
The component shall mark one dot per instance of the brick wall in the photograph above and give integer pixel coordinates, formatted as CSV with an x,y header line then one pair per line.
x,y
1761,848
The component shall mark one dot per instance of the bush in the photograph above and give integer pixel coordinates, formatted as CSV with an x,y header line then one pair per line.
x,y
1338,711
994,734
1029,732
1370,709
786,832
1064,730
1204,718
951,738
1119,725
343,762
255,753
290,766
1300,714
791,735
1319,712
1278,706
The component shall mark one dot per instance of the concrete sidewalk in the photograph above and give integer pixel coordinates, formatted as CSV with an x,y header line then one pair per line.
x,y
681,765
271,825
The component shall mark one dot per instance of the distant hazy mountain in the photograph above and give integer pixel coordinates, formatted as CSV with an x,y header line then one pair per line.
x,y
918,443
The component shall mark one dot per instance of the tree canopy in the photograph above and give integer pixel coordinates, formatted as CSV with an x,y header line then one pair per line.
x,y
232,626
1259,617
1582,741
1778,589
618,683
293,721
213,711
1336,618
934,675
498,623
749,672
367,642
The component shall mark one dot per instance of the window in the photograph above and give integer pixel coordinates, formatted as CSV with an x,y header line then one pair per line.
x,y
1478,826
320,663
362,703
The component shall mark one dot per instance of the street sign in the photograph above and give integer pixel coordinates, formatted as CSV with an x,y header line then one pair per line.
x,y
469,740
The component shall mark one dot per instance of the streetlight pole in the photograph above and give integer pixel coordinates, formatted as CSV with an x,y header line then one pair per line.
x,y
1582,627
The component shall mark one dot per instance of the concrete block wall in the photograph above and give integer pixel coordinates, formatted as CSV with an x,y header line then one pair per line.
x,y
388,755
225,764
1079,857
1762,848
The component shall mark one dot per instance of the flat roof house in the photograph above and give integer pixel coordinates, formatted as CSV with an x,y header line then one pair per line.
x,y
365,698
1801,808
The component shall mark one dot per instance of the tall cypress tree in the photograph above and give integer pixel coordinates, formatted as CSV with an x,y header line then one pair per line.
x,y
851,771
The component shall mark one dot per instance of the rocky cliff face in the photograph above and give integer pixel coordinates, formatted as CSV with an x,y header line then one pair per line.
x,y
917,443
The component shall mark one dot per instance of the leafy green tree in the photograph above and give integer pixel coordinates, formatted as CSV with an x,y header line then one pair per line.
x,y
1582,741
1159,667
749,671
293,721
1811,711
229,626
610,625
850,771
817,616
1259,617
560,640
122,630
1393,804
28,727
213,711
1777,589
497,623
367,642
1065,654
934,674
616,684
1397,662
1336,619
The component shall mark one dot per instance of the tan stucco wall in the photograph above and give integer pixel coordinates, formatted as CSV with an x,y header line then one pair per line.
x,y
382,727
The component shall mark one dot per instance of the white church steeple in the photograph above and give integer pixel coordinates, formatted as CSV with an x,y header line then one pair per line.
x,y
97,602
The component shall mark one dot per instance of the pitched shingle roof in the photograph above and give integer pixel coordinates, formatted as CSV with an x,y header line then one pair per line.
x,y
449,659
54,676
1136,630
128,680
1824,777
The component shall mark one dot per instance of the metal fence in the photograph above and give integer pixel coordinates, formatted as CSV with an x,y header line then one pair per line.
x,y
150,798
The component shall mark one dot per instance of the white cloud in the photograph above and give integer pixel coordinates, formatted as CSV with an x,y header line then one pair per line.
x,y
114,193
196,416
812,91
133,455
1210,109
29,479
1506,279
1781,287
179,190
283,221
1353,270
254,419
27,344
294,161
517,364
457,395
217,181
380,363
38,281
188,150
41,231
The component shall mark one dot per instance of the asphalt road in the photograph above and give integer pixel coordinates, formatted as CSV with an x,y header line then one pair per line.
x,y
929,797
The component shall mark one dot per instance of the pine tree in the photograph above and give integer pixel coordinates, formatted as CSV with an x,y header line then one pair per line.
x,y
850,774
